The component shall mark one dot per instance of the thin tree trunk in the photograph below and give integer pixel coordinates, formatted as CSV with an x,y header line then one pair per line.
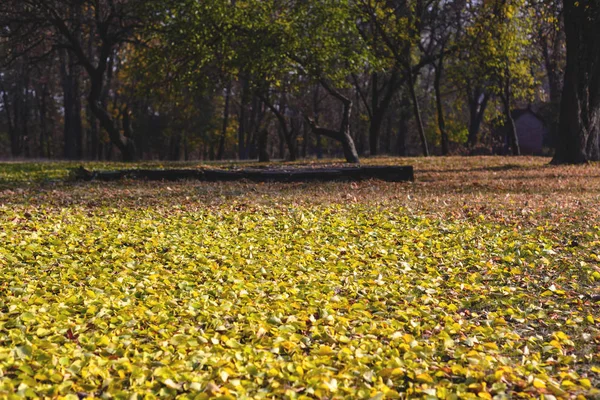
x,y
78,131
417,114
292,141
305,131
440,109
242,126
403,125
347,142
376,118
316,113
15,138
43,112
7,109
511,129
513,138
221,150
389,134
281,135
71,106
186,148
12,120
375,132
287,132
25,110
263,153
255,122
94,151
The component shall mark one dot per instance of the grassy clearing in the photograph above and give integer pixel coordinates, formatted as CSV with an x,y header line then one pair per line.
x,y
477,280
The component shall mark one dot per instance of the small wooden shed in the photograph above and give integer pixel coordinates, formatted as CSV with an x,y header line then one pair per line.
x,y
531,130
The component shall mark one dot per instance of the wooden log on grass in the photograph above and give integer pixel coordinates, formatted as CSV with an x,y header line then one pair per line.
x,y
299,174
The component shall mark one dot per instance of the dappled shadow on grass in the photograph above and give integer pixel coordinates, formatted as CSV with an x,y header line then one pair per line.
x,y
442,186
490,168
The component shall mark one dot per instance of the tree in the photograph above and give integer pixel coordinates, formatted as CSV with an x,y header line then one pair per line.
x,y
549,39
326,47
410,34
273,49
579,127
392,28
57,24
502,33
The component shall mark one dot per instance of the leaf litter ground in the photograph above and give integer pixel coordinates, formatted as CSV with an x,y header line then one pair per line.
x,y
479,280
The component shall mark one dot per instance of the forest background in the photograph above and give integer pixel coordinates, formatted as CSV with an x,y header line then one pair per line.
x,y
248,79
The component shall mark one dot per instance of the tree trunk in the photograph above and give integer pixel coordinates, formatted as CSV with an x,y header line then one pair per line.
x,y
70,76
403,124
374,132
552,51
263,153
12,129
223,136
287,132
511,128
125,145
579,127
439,105
347,142
417,114
16,138
281,149
43,113
316,113
242,125
380,106
376,118
478,101
305,131
94,150
292,142
25,111
343,135
175,147
186,148
513,138
252,131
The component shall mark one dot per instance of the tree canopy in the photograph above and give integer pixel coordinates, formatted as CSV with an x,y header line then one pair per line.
x,y
239,78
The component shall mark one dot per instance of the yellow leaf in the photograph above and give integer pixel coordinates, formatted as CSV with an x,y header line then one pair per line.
x,y
490,345
556,390
325,351
561,335
586,383
539,384
424,378
224,375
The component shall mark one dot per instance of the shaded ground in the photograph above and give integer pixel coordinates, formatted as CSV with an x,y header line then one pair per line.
x,y
478,280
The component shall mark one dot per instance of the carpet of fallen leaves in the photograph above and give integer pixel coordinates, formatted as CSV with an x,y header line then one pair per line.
x,y
479,280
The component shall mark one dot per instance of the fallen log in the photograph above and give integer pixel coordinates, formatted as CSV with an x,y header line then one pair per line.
x,y
386,173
